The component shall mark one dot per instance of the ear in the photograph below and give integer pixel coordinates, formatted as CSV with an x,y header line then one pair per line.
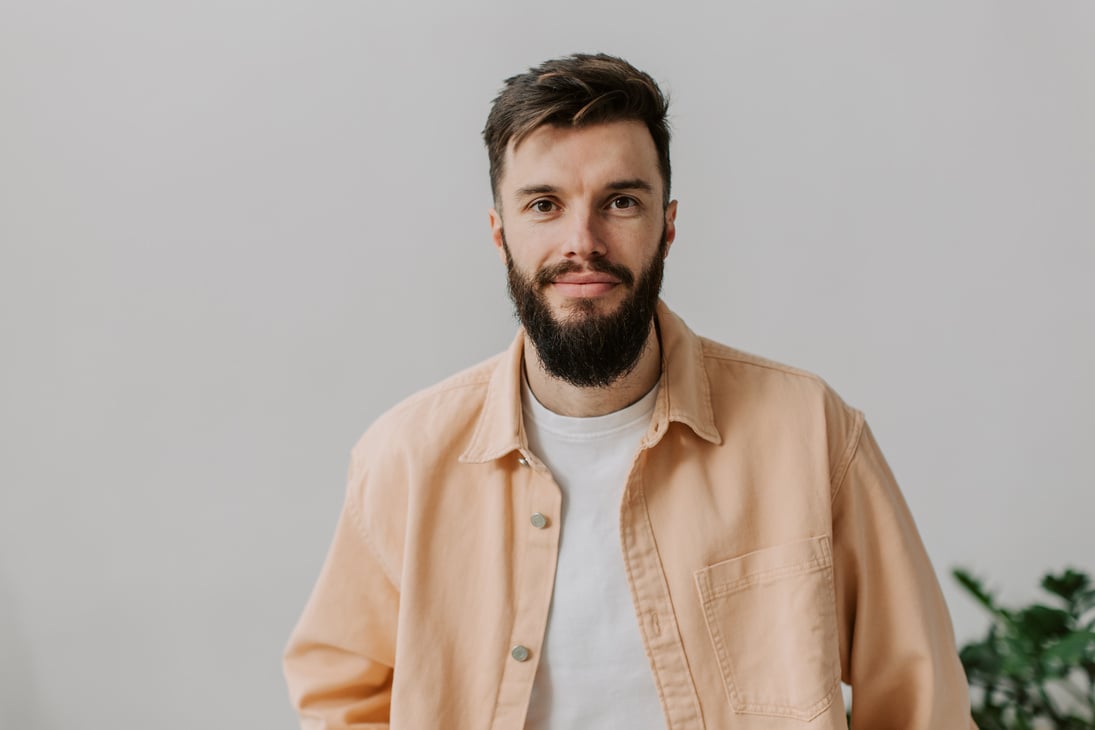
x,y
670,224
496,233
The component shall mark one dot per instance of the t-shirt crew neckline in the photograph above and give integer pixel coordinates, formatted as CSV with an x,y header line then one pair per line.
x,y
587,427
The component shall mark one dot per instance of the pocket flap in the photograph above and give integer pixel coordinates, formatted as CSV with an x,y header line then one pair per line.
x,y
765,565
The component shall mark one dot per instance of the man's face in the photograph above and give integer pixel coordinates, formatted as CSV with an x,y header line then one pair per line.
x,y
584,236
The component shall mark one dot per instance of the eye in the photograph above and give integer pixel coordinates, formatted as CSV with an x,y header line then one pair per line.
x,y
542,206
624,202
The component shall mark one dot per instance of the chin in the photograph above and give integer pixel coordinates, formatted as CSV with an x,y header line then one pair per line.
x,y
586,307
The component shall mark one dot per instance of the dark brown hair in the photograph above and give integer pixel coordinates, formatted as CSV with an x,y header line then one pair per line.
x,y
572,92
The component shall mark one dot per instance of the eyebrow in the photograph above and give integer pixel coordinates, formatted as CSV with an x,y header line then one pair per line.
x,y
536,190
632,184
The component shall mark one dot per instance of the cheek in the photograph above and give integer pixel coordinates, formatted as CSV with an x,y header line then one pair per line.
x,y
530,246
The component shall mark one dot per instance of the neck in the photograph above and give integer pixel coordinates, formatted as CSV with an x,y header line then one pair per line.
x,y
572,400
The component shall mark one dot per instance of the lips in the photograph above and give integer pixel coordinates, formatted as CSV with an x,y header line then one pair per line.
x,y
583,285
586,278
596,271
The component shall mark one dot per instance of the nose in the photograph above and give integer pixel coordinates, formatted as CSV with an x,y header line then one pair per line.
x,y
583,238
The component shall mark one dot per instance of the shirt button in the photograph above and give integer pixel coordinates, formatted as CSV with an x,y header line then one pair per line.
x,y
522,461
520,653
538,520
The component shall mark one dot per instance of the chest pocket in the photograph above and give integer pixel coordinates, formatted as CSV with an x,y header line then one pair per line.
x,y
771,616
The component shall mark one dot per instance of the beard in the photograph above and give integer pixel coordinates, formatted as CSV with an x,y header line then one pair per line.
x,y
588,349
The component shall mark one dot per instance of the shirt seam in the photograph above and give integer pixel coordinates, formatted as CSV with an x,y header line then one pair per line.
x,y
717,590
711,350
642,625
437,390
786,370
358,517
638,615
844,466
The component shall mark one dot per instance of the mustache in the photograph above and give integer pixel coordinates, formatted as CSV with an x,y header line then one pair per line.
x,y
546,275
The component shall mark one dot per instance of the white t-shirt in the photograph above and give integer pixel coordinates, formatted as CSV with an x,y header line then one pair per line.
x,y
593,672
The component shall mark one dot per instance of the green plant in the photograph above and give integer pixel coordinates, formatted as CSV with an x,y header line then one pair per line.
x,y
1037,664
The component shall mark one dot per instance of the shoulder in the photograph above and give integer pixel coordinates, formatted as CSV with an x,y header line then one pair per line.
x,y
758,376
747,388
718,355
732,378
435,416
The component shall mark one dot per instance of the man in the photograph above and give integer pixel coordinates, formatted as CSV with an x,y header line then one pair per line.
x,y
616,523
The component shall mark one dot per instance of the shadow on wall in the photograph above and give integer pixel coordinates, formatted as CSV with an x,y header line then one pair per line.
x,y
19,703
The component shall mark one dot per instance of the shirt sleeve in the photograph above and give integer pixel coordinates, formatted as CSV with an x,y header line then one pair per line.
x,y
340,658
897,648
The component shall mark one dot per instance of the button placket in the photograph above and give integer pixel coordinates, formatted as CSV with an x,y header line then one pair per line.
x,y
535,573
650,592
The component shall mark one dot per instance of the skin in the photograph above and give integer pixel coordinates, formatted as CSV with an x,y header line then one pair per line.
x,y
578,194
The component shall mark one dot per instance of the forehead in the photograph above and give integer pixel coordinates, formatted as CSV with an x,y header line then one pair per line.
x,y
581,157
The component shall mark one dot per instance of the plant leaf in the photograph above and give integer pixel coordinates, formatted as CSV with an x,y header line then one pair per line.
x,y
981,661
974,587
1067,584
1017,663
1041,623
1072,649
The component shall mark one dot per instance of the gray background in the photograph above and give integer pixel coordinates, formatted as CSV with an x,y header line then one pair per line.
x,y
233,233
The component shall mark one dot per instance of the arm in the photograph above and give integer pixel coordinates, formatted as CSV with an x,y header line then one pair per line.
x,y
339,660
896,640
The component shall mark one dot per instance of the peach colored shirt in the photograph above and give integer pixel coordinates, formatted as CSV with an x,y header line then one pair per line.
x,y
768,550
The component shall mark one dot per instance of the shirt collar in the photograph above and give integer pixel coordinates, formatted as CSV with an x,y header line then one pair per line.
x,y
684,395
